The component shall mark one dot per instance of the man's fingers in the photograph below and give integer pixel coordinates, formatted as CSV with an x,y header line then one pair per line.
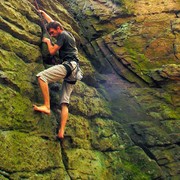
x,y
45,40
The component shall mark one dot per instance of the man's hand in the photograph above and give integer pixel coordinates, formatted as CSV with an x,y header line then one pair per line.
x,y
46,40
45,15
52,48
41,11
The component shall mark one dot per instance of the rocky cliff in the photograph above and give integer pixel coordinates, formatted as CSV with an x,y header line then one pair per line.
x,y
124,115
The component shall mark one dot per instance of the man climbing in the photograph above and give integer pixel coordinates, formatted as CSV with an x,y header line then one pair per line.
x,y
68,53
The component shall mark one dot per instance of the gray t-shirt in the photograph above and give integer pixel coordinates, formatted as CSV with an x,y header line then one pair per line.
x,y
68,46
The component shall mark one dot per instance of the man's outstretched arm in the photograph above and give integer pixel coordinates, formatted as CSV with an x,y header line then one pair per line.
x,y
46,16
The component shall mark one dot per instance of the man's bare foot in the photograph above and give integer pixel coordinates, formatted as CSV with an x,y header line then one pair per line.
x,y
60,134
42,109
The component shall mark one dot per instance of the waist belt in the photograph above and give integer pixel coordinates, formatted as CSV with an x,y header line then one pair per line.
x,y
69,72
70,82
70,58
68,69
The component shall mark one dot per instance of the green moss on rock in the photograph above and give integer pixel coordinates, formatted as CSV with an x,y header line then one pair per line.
x,y
89,102
17,23
26,51
56,173
28,153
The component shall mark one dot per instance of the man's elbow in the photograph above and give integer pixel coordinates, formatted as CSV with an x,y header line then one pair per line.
x,y
53,50
52,53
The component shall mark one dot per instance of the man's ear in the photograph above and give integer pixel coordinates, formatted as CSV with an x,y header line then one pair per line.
x,y
59,29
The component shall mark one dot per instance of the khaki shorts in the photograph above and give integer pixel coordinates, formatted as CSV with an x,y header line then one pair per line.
x,y
57,72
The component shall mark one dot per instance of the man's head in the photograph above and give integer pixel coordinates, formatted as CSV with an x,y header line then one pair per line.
x,y
54,28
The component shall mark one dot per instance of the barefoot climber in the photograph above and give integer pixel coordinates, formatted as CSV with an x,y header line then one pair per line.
x,y
68,53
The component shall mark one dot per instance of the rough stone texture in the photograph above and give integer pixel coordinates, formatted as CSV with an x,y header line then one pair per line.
x,y
139,40
118,128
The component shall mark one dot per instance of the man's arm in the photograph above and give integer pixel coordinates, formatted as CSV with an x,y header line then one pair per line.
x,y
46,16
52,48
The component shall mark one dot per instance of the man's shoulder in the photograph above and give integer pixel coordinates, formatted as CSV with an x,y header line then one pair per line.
x,y
64,32
62,35
67,33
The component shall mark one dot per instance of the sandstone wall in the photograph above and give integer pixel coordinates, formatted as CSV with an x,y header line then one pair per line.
x,y
118,128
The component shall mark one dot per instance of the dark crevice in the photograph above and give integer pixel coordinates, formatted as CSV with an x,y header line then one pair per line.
x,y
123,16
64,156
175,53
113,60
8,174
47,138
172,12
14,23
150,155
147,151
4,81
61,141
47,170
110,150
163,145
5,174
4,26
174,47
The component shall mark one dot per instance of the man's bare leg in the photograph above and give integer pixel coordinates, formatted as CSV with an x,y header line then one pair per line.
x,y
45,91
64,118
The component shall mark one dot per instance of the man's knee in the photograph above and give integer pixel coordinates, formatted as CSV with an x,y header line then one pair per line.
x,y
64,105
41,79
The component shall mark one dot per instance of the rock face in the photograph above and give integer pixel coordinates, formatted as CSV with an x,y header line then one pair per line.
x,y
124,115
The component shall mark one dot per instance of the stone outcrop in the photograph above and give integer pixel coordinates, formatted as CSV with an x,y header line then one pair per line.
x,y
124,114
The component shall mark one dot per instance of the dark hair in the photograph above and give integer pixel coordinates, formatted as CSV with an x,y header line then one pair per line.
x,y
54,25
